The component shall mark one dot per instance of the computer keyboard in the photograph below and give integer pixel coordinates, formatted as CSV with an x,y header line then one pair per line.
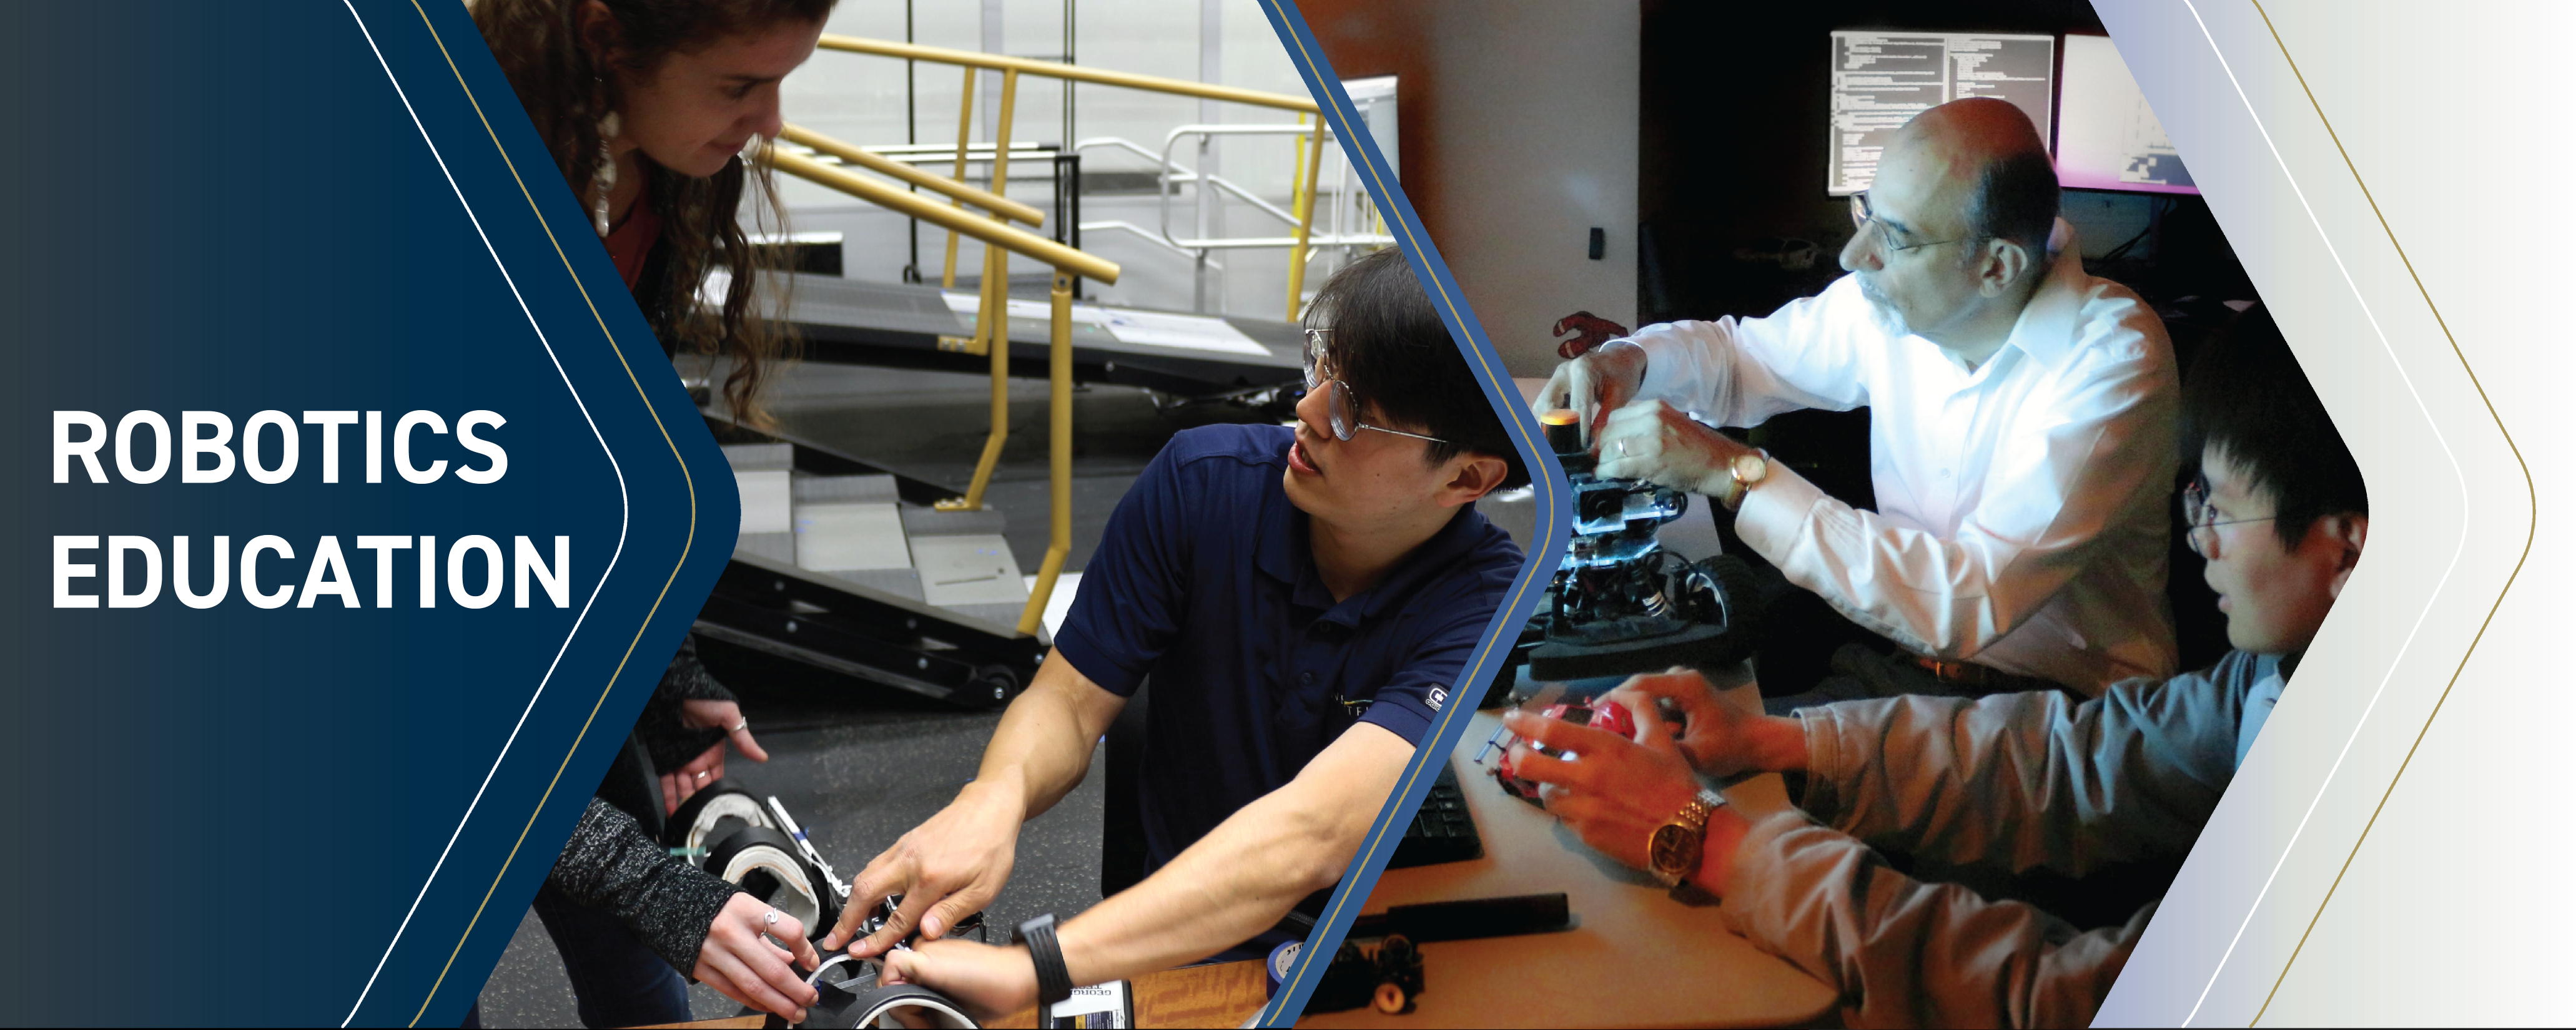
x,y
1441,830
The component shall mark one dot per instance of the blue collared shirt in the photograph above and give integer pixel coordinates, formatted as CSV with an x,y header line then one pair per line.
x,y
1205,581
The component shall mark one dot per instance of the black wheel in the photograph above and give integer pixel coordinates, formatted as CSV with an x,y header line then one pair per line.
x,y
1739,590
1726,589
695,824
765,862
994,686
889,1006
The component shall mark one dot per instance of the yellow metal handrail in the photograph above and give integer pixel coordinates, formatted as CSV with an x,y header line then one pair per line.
x,y
992,323
1310,153
996,234
993,333
1068,72
893,169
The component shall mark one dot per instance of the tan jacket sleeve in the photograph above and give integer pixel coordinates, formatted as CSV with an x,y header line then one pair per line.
x,y
2031,781
1904,953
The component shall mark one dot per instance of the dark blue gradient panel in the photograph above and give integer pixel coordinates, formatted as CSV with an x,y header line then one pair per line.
x,y
334,809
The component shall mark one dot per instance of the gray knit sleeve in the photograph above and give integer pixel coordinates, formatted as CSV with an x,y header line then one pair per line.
x,y
687,680
610,865
671,743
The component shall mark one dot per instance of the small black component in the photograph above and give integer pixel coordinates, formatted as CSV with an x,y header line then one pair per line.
x,y
1399,966
1349,981
1469,919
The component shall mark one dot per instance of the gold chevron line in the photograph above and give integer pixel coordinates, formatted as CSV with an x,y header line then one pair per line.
x,y
687,479
1450,714
2530,532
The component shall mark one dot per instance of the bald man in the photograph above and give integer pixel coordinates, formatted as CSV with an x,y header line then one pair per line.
x,y
2021,428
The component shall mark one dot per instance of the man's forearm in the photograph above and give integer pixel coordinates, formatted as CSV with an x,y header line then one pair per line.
x,y
1043,747
1246,874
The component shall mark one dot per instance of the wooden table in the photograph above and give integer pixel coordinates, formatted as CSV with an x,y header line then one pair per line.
x,y
1635,957
1221,994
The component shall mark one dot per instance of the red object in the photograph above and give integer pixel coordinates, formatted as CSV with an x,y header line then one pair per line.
x,y
1606,716
1589,331
631,241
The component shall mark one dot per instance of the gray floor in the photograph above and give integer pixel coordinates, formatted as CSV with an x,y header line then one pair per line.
x,y
858,771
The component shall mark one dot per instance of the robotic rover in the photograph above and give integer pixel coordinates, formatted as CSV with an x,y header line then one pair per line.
x,y
1620,604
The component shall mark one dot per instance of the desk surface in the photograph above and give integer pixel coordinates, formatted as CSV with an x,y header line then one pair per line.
x,y
1222,994
1219,994
1635,957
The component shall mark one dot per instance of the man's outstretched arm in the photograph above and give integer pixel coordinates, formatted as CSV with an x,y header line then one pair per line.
x,y
952,865
1236,882
1901,952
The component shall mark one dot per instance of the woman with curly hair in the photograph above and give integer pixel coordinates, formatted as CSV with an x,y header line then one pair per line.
x,y
647,107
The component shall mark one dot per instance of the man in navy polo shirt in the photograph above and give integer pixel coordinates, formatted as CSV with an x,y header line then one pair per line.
x,y
1303,600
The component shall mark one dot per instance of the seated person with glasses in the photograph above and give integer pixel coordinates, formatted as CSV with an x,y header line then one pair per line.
x,y
2280,516
2021,428
1304,600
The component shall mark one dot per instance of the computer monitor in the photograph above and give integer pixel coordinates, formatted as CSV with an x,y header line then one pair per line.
x,y
2107,136
1882,78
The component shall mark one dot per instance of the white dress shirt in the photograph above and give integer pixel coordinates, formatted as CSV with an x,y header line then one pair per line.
x,y
2021,520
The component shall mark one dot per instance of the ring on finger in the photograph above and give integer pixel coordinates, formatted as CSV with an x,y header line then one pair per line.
x,y
741,726
769,918
702,774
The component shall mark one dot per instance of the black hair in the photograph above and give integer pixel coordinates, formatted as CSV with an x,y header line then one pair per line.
x,y
2015,200
1384,339
2247,400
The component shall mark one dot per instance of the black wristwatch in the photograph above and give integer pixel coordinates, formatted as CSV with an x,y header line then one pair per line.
x,y
1055,982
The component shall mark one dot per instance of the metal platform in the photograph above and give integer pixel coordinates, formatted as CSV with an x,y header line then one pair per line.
x,y
838,566
848,321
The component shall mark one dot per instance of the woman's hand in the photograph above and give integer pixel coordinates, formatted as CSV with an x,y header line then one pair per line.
x,y
707,768
947,868
741,965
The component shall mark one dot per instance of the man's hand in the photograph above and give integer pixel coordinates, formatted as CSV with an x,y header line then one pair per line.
x,y
707,768
740,965
990,981
1614,792
946,869
1595,384
1717,738
1656,442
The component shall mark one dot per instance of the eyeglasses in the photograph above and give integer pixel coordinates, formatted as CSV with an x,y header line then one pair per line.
x,y
1862,219
2197,513
1344,408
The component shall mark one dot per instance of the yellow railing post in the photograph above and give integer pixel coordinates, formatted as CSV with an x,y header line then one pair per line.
x,y
965,132
910,205
992,317
1311,162
1059,453
992,330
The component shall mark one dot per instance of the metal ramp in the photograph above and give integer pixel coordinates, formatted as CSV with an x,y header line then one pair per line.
x,y
834,568
848,321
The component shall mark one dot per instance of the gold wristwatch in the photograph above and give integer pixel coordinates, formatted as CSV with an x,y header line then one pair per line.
x,y
1673,853
1747,469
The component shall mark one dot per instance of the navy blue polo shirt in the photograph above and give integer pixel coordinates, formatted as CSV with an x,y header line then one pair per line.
x,y
1205,581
